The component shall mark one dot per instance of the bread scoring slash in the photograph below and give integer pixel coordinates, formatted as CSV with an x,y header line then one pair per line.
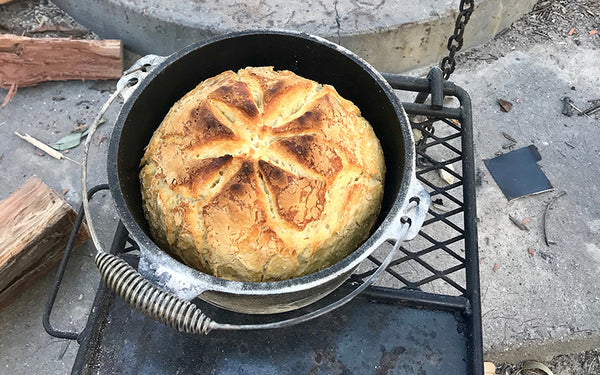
x,y
262,175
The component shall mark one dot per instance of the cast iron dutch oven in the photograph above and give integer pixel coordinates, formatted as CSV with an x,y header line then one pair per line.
x,y
167,79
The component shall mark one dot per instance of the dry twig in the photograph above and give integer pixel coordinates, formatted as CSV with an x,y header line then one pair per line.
x,y
11,93
548,206
518,223
44,147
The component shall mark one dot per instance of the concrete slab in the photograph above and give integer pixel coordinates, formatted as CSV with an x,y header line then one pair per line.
x,y
392,35
532,302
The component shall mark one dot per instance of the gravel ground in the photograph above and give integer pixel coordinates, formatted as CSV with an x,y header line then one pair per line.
x,y
585,363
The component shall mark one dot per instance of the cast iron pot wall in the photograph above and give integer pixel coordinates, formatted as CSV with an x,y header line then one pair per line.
x,y
306,56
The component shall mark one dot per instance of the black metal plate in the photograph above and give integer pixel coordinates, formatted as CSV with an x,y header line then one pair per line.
x,y
518,174
360,338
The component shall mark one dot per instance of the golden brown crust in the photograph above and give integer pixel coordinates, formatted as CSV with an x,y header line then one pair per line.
x,y
298,200
310,152
262,175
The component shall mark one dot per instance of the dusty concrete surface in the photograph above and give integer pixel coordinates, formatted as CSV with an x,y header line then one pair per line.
x,y
558,281
534,306
541,305
392,35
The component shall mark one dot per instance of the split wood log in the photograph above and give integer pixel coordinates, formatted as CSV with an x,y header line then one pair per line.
x,y
35,224
27,61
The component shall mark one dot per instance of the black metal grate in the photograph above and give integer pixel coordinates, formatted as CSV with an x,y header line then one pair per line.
x,y
434,261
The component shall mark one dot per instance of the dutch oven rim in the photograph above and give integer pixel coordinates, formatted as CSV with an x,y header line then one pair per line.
x,y
387,229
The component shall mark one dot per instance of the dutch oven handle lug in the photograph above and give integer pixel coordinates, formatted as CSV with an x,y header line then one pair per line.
x,y
131,78
416,209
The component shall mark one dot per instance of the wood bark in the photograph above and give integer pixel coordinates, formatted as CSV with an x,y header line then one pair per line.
x,y
27,61
35,224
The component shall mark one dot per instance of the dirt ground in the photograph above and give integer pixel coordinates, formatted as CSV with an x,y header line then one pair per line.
x,y
35,18
563,22
575,364
586,363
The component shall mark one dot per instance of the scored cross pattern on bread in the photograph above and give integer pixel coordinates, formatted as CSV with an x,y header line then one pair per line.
x,y
262,175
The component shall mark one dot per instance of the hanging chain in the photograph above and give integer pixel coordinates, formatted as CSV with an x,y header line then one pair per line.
x,y
455,42
448,64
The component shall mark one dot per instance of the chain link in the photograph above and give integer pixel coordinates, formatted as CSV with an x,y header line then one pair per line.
x,y
455,42
448,64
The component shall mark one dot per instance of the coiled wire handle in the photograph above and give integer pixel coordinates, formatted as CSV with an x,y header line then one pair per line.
x,y
159,304
162,306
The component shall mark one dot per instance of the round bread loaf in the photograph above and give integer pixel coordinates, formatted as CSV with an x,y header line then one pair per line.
x,y
262,175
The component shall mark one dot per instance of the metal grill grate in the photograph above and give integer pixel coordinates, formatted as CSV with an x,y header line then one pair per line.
x,y
434,262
